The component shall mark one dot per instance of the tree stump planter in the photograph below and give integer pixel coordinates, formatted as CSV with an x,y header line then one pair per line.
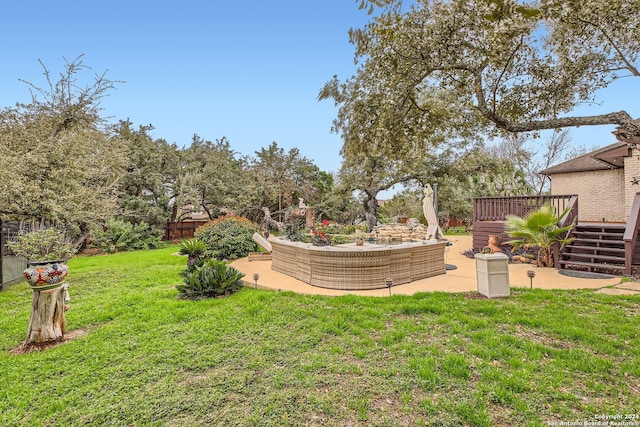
x,y
47,321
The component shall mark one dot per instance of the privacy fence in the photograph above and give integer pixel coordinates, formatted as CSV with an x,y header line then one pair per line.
x,y
181,230
11,266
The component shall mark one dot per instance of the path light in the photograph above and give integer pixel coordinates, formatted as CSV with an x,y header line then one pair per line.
x,y
389,282
256,276
531,274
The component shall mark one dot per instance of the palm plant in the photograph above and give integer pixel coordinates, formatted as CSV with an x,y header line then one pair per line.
x,y
194,249
540,229
211,279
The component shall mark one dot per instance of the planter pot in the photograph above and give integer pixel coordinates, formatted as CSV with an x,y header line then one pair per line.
x,y
493,243
45,273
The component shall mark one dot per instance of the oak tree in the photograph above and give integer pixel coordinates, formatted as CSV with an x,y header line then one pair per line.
x,y
502,65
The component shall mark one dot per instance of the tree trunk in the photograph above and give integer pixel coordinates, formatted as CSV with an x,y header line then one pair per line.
x,y
47,322
371,211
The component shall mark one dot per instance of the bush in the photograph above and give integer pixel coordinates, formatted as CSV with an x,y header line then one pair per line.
x,y
210,279
229,237
294,232
124,236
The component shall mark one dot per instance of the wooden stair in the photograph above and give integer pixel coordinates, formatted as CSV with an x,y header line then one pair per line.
x,y
596,247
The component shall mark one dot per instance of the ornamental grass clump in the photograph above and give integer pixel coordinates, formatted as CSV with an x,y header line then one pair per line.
x,y
210,279
228,237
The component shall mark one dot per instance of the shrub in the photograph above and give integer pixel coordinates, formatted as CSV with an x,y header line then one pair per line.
x,y
124,236
210,279
228,237
294,231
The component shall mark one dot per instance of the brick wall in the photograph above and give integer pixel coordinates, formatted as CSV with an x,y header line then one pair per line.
x,y
601,194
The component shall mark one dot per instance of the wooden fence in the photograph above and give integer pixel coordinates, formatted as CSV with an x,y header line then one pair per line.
x,y
181,230
11,266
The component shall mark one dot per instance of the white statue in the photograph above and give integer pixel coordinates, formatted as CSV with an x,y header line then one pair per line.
x,y
433,229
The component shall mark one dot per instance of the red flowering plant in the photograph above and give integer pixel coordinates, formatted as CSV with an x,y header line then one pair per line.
x,y
323,233
320,238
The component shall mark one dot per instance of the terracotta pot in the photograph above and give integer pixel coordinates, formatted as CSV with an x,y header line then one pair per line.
x,y
493,243
45,273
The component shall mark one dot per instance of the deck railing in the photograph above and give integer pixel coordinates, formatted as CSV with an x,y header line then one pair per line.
x,y
497,208
631,235
570,219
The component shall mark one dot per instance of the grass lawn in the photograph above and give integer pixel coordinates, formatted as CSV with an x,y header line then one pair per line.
x,y
268,358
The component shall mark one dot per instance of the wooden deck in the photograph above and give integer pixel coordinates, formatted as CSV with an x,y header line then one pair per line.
x,y
489,217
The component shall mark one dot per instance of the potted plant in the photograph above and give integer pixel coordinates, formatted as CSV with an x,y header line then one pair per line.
x,y
47,251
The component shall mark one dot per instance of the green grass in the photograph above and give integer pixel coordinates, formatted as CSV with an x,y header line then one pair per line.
x,y
277,358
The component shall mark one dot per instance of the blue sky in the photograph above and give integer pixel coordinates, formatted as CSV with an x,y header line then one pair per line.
x,y
247,70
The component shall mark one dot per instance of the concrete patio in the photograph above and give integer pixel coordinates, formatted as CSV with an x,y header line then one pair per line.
x,y
461,279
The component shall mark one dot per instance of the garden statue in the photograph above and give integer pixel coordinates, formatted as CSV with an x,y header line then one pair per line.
x,y
433,230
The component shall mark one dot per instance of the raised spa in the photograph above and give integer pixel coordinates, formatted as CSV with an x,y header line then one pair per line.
x,y
351,267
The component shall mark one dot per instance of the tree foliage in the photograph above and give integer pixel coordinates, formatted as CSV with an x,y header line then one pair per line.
x,y
59,161
281,177
499,65
213,176
152,169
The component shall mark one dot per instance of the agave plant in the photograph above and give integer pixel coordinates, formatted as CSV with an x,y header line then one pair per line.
x,y
211,279
538,229
194,249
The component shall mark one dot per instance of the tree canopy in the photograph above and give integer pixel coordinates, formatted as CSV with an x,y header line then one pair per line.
x,y
499,65
59,161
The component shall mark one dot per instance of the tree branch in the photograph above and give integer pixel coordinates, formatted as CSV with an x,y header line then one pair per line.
x,y
621,118
629,66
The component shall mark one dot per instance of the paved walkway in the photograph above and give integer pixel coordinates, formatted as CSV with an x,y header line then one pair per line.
x,y
462,279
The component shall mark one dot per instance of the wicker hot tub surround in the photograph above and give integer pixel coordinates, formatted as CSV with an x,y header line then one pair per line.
x,y
351,267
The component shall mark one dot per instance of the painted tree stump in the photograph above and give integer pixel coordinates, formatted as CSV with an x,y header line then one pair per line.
x,y
47,321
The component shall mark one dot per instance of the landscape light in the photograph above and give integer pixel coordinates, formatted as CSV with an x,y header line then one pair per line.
x,y
531,274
